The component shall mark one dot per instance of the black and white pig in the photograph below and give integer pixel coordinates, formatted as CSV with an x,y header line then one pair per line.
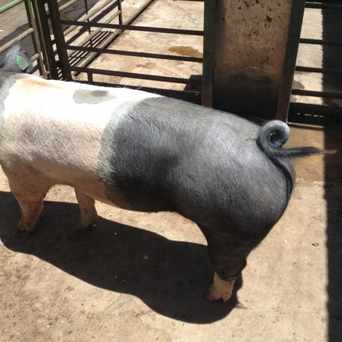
x,y
145,152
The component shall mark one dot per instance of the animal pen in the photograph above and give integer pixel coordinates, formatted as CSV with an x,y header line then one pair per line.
x,y
135,44
59,286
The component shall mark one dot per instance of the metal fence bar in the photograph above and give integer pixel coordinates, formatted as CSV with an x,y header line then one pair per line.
x,y
35,36
136,54
208,53
318,70
132,75
30,31
319,42
115,35
308,108
46,38
59,37
134,28
34,30
67,4
7,6
18,38
323,5
316,93
83,17
104,12
97,38
40,34
62,62
120,12
289,64
319,109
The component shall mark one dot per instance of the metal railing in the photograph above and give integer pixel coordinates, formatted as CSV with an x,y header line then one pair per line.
x,y
70,46
7,6
325,70
31,30
91,35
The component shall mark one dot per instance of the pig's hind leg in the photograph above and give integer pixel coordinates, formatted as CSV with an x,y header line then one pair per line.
x,y
87,210
29,189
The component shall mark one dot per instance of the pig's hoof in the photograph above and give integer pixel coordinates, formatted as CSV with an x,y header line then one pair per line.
x,y
23,227
220,289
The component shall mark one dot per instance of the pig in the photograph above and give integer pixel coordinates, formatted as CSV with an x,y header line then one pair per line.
x,y
145,152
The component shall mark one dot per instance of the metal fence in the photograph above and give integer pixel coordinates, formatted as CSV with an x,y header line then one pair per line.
x,y
330,69
26,33
67,36
68,55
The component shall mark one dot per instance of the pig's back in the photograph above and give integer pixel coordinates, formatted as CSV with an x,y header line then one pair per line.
x,y
58,125
152,150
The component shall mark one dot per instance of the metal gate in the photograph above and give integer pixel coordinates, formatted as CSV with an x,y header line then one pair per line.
x,y
25,32
326,101
65,47
72,45
68,57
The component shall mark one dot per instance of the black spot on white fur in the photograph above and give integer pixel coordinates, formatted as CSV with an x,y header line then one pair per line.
x,y
84,96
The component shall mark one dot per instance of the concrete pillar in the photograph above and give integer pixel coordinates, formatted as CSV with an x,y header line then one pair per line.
x,y
249,45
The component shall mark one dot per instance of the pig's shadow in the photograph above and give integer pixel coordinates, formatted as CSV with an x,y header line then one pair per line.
x,y
171,277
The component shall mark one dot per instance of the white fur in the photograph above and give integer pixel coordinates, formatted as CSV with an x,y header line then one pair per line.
x,y
44,128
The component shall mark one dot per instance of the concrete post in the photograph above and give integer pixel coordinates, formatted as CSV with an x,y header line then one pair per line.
x,y
250,43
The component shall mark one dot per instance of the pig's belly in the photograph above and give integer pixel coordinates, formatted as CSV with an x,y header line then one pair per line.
x,y
97,190
87,182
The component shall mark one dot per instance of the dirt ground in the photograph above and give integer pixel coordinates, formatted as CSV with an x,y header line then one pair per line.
x,y
142,277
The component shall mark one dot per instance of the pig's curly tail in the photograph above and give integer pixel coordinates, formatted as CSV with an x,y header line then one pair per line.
x,y
274,134
271,138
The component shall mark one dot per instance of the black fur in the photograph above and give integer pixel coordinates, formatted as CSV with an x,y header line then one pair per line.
x,y
170,155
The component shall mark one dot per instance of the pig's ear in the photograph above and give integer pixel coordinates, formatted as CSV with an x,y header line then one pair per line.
x,y
16,60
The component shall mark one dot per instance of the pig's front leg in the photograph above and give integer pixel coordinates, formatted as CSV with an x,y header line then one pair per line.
x,y
29,189
220,289
87,210
228,254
